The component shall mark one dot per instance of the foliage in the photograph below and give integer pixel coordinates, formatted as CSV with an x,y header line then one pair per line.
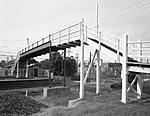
x,y
2,63
71,66
57,62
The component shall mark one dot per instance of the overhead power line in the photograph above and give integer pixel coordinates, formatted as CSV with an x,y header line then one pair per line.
x,y
12,40
6,55
129,11
123,10
7,52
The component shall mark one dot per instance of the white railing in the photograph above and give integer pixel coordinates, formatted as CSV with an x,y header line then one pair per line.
x,y
139,50
65,35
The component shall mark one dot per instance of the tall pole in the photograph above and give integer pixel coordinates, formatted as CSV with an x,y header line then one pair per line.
x,y
50,57
82,60
98,57
97,17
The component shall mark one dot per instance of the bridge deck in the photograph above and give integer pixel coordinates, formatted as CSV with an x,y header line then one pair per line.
x,y
139,67
44,48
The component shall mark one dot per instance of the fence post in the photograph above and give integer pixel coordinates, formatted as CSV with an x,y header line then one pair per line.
x,y
124,73
82,60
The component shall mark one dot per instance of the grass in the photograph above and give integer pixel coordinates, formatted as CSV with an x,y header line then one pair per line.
x,y
106,104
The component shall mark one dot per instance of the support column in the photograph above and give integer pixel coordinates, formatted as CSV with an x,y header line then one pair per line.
x,y
139,86
124,73
98,74
98,62
50,57
26,75
17,76
82,60
64,67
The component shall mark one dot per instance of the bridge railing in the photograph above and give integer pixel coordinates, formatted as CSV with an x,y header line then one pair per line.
x,y
106,37
65,35
140,51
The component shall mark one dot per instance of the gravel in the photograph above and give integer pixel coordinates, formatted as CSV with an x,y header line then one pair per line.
x,y
14,103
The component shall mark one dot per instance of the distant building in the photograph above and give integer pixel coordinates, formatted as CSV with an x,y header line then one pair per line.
x,y
37,71
111,69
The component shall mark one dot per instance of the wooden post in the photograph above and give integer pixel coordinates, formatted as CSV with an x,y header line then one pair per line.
x,y
139,86
26,75
98,65
124,73
64,67
82,60
50,83
98,73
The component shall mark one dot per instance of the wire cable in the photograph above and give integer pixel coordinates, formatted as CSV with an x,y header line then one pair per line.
x,y
124,15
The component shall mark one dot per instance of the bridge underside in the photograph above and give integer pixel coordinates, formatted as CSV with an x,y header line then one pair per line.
x,y
44,48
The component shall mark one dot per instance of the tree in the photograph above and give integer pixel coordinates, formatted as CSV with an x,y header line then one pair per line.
x,y
71,66
57,64
2,63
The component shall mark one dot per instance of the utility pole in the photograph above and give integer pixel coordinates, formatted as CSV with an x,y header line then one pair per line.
x,y
97,17
28,42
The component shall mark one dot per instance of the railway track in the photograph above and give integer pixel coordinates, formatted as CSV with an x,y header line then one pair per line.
x,y
23,83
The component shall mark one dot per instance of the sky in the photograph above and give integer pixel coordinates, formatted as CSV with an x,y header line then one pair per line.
x,y
35,19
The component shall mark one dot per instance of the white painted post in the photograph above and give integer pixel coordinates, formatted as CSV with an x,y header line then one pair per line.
x,y
141,50
82,60
124,73
68,34
139,86
17,76
98,73
59,37
98,65
118,50
26,75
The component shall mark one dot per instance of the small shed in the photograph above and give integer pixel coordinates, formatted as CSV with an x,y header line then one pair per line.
x,y
37,71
